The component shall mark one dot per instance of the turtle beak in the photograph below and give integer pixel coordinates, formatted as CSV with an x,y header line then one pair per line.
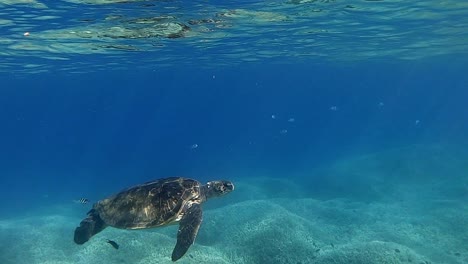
x,y
229,186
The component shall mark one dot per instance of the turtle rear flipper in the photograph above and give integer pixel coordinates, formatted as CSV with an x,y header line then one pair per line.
x,y
188,229
90,226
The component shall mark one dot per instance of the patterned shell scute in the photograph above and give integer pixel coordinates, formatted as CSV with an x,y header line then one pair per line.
x,y
151,204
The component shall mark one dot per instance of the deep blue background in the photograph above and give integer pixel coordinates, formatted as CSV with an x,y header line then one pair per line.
x,y
70,136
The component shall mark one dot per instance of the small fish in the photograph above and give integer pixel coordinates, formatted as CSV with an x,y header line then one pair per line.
x,y
194,146
115,245
82,201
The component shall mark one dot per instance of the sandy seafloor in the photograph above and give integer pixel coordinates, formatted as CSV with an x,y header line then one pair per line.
x,y
404,205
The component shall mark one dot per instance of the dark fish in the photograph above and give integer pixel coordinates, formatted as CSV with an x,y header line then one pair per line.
x,y
115,245
82,201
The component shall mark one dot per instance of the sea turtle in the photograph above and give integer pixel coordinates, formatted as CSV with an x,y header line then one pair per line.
x,y
153,204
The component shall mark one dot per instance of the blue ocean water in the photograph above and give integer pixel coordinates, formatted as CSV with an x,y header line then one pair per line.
x,y
328,110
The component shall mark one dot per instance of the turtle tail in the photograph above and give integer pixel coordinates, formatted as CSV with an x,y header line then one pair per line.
x,y
90,226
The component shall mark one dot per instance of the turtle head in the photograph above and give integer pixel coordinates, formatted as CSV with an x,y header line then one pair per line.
x,y
218,188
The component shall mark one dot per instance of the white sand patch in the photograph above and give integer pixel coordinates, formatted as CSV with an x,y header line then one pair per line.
x,y
253,231
268,220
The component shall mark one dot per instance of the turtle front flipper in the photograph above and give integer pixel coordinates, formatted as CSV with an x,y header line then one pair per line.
x,y
188,229
90,226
